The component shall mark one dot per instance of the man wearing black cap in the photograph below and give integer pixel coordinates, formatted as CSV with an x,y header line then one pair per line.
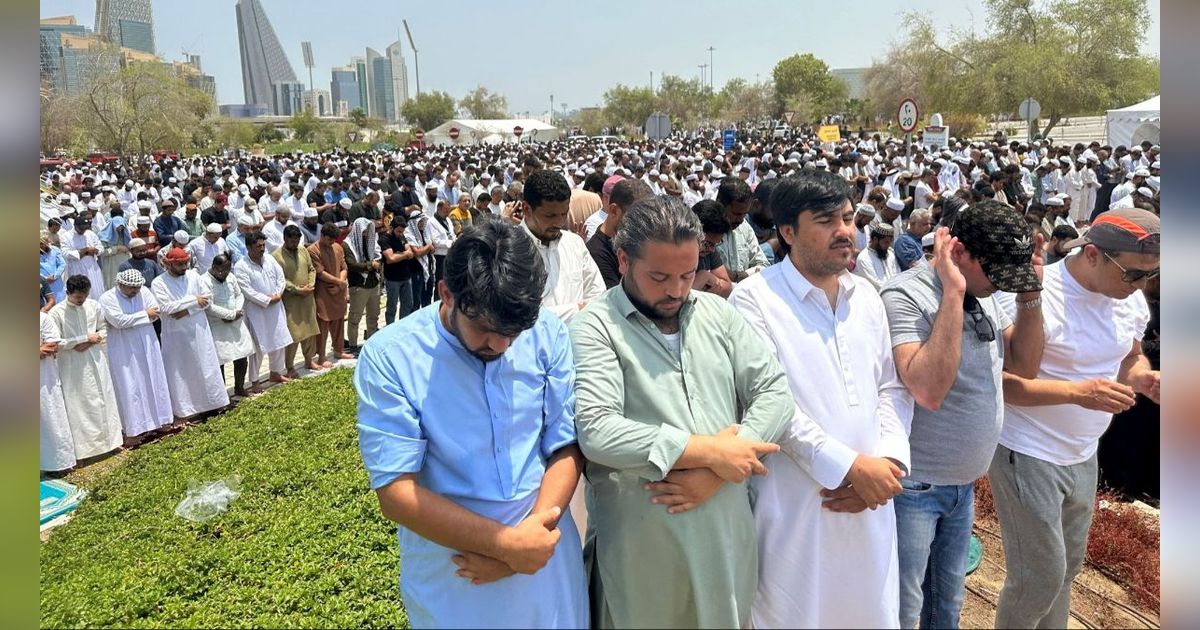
x,y
951,341
1095,315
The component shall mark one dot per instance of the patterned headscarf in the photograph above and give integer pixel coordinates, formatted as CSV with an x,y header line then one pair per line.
x,y
131,278
354,242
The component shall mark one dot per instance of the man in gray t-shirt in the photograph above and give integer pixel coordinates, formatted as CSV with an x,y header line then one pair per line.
x,y
951,341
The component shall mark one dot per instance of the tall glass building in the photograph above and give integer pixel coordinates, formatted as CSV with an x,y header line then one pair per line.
x,y
263,61
126,23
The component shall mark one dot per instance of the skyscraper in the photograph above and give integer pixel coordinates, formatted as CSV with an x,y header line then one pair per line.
x,y
263,61
126,23
379,85
287,98
395,55
343,86
362,69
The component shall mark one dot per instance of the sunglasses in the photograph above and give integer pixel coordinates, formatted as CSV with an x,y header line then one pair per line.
x,y
984,330
1132,276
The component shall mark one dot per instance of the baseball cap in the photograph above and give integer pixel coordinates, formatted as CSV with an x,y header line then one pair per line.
x,y
997,236
1122,230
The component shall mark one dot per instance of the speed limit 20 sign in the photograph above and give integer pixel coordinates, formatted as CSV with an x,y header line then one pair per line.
x,y
907,115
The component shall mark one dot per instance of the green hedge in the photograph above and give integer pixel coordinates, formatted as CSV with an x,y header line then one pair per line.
x,y
303,546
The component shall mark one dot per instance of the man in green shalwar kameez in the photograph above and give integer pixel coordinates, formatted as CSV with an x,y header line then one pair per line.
x,y
663,375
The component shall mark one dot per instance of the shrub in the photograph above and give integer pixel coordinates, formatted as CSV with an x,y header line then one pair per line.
x,y
303,546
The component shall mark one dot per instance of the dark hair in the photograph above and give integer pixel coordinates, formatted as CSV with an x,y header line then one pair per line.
x,y
221,259
543,186
1064,233
878,193
712,217
328,229
594,182
532,162
291,231
812,191
951,206
762,192
997,176
484,197
661,219
78,283
495,274
627,191
733,190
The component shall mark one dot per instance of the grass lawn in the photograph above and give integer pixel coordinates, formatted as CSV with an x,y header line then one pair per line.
x,y
303,546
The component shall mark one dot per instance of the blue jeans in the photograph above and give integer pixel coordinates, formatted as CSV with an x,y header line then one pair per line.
x,y
398,291
933,525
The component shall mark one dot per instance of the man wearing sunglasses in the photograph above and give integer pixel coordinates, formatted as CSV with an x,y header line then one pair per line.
x,y
951,341
1095,315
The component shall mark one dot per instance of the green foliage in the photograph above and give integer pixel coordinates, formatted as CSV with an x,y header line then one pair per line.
x,y
805,80
304,124
1076,57
358,117
483,104
428,109
628,106
238,134
267,132
303,546
741,101
686,101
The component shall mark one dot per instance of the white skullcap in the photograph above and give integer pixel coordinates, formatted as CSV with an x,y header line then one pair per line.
x,y
364,178
310,212
94,205
244,188
1029,162
172,180
181,237
1145,191
144,204
927,240
662,178
895,204
376,180
431,185
1054,201
138,242
246,220
213,228
865,210
1065,160
345,203
143,220
691,177
1154,165
1142,172
129,182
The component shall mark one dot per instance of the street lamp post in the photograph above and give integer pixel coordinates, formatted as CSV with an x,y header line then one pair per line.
x,y
710,72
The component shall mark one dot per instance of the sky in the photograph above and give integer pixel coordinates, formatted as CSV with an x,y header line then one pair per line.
x,y
534,48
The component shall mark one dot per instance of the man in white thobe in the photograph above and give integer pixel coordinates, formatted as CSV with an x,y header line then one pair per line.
x,y
273,228
572,277
83,367
824,559
877,263
262,283
82,249
57,450
189,355
204,248
134,356
226,320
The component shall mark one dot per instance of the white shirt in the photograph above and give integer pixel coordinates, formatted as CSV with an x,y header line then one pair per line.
x,y
849,400
593,222
1088,335
571,275
203,252
921,196
876,271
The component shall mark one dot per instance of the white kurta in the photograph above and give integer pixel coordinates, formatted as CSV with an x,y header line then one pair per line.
x,y
267,322
135,362
876,271
274,231
87,386
190,359
227,319
83,265
817,568
1087,198
57,450
203,252
571,274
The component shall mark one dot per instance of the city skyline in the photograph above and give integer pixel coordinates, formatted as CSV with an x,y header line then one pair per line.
x,y
521,56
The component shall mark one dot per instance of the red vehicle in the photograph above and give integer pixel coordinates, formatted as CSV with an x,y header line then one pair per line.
x,y
55,161
160,155
102,158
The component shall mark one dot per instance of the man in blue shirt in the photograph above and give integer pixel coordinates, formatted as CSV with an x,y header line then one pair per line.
x,y
908,245
466,428
51,267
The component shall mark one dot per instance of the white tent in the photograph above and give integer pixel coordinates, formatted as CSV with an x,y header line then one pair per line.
x,y
1131,125
490,131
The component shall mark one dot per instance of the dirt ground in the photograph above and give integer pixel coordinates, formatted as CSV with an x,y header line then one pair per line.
x,y
1096,600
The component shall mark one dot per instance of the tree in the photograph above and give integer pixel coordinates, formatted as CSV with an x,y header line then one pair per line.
x,y
806,79
358,117
429,109
267,132
686,101
740,101
482,104
591,120
628,106
237,134
143,106
304,124
1073,56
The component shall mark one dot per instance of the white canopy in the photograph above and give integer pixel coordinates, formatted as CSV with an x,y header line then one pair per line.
x,y
471,131
1131,125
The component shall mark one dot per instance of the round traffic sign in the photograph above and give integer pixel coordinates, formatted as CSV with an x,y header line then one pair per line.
x,y
518,130
454,133
420,135
907,115
1029,109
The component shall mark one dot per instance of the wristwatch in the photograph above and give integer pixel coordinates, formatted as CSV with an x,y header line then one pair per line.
x,y
1028,305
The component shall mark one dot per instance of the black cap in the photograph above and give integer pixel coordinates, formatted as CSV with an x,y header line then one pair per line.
x,y
996,235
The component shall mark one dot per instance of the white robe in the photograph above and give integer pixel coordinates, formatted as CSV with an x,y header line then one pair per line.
x,y
203,252
267,322
87,386
273,229
135,362
1087,199
817,568
57,450
89,266
572,276
190,357
876,271
230,335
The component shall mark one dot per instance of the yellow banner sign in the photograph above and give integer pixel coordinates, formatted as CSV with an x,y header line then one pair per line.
x,y
829,133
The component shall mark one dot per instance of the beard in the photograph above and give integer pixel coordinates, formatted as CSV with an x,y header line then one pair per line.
x,y
830,262
882,253
655,312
